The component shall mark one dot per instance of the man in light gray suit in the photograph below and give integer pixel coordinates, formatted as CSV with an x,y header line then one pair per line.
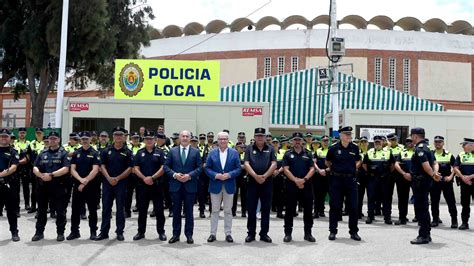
x,y
222,167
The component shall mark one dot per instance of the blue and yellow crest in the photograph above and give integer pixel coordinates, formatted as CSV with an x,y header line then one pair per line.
x,y
131,79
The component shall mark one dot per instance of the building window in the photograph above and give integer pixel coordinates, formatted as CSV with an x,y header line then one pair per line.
x,y
281,65
378,70
267,67
392,70
406,75
294,63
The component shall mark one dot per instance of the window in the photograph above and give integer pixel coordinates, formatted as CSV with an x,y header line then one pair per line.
x,y
294,63
392,70
378,70
281,65
406,75
267,68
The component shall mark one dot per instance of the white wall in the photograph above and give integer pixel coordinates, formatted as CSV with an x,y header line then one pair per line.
x,y
235,71
196,117
442,80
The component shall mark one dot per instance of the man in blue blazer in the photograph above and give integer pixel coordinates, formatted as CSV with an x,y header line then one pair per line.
x,y
183,166
222,167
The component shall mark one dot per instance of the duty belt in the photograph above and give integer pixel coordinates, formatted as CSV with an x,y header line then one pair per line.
x,y
342,175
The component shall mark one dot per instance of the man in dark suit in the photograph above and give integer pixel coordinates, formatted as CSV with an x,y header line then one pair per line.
x,y
183,166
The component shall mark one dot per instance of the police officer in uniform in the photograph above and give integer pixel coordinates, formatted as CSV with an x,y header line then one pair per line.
x,y
36,147
161,144
464,168
423,172
52,170
377,164
403,166
260,163
342,160
117,162
9,160
278,180
24,168
299,168
85,163
445,161
362,174
148,168
309,141
241,183
320,184
135,145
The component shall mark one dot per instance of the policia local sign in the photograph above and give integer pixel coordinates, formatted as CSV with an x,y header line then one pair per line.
x,y
167,80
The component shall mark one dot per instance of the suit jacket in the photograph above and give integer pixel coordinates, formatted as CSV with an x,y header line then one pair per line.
x,y
214,167
192,166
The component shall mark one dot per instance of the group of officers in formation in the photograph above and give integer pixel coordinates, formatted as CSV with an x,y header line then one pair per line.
x,y
286,175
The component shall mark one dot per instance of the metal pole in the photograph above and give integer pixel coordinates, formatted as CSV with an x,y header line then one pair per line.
x,y
62,66
335,77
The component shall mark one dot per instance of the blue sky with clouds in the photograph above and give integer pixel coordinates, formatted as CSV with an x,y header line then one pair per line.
x,y
181,12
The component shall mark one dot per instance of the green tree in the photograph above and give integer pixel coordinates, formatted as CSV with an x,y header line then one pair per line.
x,y
99,31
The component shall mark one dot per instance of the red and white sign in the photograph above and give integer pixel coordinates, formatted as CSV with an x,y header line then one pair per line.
x,y
77,107
252,111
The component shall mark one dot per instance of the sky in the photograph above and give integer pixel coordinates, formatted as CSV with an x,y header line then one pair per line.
x,y
182,12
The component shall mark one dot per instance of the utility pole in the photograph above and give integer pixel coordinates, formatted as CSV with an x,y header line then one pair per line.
x,y
334,74
62,66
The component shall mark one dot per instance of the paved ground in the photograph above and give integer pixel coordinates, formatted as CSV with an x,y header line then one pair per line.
x,y
381,244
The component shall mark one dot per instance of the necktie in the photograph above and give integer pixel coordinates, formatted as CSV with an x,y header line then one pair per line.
x,y
183,155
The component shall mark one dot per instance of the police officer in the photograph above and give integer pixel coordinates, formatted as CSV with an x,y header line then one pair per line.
x,y
52,170
260,163
161,144
342,160
278,180
395,150
241,138
9,160
377,164
148,168
116,166
320,184
231,143
422,173
464,168
445,161
203,182
299,168
362,176
84,169
241,184
36,147
135,145
24,168
309,141
403,166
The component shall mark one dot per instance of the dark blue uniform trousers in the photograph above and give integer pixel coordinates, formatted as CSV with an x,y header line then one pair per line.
x,y
338,188
109,194
421,188
262,192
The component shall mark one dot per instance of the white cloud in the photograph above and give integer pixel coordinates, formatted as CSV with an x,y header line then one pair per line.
x,y
181,12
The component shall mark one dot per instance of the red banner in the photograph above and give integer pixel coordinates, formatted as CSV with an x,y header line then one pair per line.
x,y
252,111
77,107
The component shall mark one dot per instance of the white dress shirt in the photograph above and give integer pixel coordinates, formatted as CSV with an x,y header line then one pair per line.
x,y
223,157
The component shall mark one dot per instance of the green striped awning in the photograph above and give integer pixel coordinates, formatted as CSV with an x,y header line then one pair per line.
x,y
296,99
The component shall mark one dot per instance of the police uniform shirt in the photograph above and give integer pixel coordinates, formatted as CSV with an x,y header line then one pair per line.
x,y
149,162
321,154
405,160
465,162
343,160
445,160
280,155
117,160
378,161
396,151
260,160
299,163
50,160
8,157
85,160
421,154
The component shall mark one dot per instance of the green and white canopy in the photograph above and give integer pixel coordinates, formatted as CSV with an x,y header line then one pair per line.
x,y
297,99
